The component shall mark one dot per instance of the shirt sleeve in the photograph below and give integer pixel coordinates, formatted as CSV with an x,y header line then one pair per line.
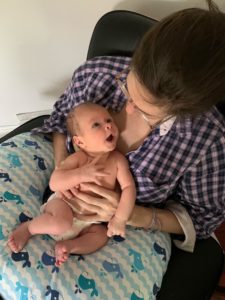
x,y
93,81
202,190
186,223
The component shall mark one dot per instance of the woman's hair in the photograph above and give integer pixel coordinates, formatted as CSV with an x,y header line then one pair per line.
x,y
181,60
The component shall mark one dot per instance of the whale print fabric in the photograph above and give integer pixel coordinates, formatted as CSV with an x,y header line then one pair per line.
x,y
130,268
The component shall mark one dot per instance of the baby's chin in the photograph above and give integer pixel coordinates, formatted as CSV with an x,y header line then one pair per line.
x,y
111,147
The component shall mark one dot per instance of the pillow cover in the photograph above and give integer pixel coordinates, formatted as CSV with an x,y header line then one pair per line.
x,y
124,269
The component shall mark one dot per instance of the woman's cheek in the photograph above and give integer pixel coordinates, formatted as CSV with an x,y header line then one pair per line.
x,y
129,108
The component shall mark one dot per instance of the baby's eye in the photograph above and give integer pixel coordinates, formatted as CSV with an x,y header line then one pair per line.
x,y
109,120
96,125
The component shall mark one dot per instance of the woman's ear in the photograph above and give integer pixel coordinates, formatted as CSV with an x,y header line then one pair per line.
x,y
77,140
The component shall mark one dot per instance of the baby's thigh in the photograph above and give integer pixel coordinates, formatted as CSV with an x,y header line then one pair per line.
x,y
96,228
58,208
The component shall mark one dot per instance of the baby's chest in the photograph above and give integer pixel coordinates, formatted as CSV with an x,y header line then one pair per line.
x,y
109,181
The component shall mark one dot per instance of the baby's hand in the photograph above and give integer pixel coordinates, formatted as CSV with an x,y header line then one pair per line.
x,y
93,172
116,227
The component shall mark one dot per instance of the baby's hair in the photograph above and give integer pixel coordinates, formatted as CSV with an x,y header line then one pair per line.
x,y
72,123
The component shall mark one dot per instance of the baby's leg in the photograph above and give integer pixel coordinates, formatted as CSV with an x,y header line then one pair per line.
x,y
57,218
89,240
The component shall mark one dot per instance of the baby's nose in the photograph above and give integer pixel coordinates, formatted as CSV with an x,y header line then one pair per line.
x,y
108,126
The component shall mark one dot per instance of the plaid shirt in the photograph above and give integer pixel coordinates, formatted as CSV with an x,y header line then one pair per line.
x,y
186,162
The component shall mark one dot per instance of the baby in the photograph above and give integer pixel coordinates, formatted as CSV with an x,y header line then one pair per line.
x,y
94,132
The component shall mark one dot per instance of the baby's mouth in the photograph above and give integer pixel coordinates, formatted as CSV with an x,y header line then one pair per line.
x,y
109,138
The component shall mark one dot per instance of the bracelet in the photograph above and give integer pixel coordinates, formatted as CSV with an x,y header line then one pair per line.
x,y
155,223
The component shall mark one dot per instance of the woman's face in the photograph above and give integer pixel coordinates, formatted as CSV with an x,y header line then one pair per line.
x,y
140,99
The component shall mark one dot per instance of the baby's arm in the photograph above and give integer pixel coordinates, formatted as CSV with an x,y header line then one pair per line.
x,y
67,174
117,224
74,170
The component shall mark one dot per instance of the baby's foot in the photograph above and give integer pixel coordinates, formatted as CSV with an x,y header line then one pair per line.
x,y
62,251
19,237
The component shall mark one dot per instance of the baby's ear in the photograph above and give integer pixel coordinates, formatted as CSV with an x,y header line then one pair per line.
x,y
78,141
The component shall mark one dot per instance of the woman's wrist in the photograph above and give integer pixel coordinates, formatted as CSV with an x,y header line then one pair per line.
x,y
155,219
155,223
140,217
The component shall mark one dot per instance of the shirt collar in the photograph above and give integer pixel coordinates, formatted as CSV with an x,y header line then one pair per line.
x,y
165,126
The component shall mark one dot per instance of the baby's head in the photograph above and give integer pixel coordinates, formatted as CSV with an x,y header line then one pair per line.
x,y
92,128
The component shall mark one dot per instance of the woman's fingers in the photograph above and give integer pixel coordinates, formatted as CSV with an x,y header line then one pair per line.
x,y
87,198
110,195
88,218
87,206
101,203
74,191
66,194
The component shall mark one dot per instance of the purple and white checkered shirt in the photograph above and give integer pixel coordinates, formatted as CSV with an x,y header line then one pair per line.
x,y
186,163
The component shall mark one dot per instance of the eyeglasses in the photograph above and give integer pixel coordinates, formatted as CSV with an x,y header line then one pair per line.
x,y
145,116
123,87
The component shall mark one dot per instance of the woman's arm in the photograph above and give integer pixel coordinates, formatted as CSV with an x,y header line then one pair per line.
x,y
59,146
105,206
142,217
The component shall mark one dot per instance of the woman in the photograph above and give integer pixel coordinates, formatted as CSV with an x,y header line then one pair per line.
x,y
163,101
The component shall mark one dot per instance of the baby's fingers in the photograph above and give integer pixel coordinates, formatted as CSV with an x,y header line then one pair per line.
x,y
109,233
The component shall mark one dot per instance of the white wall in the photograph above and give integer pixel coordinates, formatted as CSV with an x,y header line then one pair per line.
x,y
43,41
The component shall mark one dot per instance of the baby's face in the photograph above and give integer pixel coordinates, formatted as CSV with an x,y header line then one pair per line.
x,y
98,132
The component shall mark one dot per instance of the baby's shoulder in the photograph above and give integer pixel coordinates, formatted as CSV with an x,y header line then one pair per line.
x,y
118,157
80,156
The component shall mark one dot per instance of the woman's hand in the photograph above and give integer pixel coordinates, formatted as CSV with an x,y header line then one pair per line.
x,y
102,207
69,194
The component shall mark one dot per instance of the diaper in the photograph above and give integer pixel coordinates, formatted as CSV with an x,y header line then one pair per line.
x,y
77,227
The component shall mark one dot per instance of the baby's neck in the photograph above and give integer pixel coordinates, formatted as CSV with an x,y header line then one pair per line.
x,y
100,157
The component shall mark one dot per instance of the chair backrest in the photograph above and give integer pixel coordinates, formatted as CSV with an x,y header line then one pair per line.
x,y
118,33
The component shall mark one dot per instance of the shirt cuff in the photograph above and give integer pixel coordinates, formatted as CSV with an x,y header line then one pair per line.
x,y
187,225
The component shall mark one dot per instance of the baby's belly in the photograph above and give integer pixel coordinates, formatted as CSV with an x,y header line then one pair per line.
x,y
75,204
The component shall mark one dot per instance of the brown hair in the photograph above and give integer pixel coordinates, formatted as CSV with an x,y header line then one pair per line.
x,y
181,60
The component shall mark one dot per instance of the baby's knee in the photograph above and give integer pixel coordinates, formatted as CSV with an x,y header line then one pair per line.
x,y
65,223
61,224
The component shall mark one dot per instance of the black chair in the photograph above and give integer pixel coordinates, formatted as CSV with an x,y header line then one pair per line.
x,y
190,276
